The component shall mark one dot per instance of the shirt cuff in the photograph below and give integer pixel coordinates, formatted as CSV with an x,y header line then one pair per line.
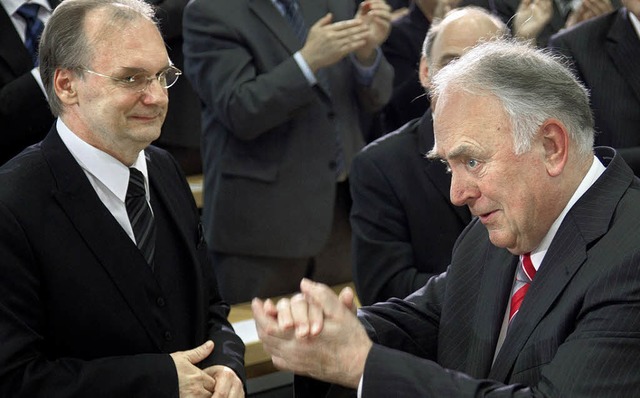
x,y
360,386
304,67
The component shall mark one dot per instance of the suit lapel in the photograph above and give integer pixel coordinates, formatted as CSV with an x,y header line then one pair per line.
x,y
495,287
623,46
12,50
562,260
118,255
266,11
586,222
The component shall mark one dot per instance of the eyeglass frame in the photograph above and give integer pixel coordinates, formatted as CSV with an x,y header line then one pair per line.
x,y
125,81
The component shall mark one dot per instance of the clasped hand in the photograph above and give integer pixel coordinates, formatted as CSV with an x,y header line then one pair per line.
x,y
315,333
212,382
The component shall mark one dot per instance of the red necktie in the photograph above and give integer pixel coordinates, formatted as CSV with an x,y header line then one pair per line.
x,y
524,276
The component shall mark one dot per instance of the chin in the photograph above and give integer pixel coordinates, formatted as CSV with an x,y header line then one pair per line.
x,y
504,242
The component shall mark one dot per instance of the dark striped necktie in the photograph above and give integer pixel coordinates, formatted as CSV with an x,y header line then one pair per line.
x,y
140,215
29,12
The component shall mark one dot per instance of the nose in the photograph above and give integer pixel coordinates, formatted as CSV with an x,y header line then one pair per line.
x,y
462,190
155,92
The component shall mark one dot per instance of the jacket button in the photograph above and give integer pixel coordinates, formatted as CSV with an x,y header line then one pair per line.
x,y
331,115
168,336
332,165
160,301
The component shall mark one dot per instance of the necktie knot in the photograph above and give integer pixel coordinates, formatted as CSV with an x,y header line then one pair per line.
x,y
289,3
136,184
29,12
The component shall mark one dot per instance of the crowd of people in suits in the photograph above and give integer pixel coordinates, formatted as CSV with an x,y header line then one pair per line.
x,y
329,149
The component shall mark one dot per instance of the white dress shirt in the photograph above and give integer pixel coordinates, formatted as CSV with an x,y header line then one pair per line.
x,y
108,176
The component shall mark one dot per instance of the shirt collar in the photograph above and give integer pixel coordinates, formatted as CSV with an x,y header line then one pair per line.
x,y
595,171
102,166
12,5
634,22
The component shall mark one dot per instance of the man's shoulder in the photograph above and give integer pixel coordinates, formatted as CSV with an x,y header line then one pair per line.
x,y
26,175
401,140
594,27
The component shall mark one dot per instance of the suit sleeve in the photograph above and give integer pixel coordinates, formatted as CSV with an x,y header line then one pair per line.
x,y
229,348
25,367
25,116
599,358
221,68
383,255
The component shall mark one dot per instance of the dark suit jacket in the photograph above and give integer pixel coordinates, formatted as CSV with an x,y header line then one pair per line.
x,y
605,53
576,334
81,314
25,117
403,49
269,144
403,224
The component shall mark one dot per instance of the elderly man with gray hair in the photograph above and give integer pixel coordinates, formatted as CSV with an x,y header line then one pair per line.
x,y
543,292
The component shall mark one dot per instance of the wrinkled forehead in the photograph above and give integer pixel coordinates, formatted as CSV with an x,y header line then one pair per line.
x,y
459,114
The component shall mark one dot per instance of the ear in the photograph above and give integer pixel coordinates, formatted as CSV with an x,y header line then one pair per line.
x,y
423,71
555,141
65,83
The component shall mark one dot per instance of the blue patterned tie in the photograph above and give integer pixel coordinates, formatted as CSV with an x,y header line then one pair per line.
x,y
29,12
294,17
140,215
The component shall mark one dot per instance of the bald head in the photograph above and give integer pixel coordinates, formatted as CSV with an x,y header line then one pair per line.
x,y
460,30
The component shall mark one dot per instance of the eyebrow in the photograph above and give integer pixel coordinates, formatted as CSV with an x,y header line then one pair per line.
x,y
463,150
136,69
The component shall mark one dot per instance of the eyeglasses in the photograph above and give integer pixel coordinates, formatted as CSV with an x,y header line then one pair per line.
x,y
139,82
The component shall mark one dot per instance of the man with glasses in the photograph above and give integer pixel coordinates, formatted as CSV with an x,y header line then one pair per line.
x,y
106,290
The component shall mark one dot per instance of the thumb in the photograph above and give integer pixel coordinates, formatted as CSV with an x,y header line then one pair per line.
x,y
347,297
199,353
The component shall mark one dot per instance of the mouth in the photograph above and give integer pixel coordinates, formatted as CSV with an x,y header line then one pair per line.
x,y
487,217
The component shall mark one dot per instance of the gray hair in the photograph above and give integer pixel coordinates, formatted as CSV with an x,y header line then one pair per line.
x,y
65,45
532,84
436,27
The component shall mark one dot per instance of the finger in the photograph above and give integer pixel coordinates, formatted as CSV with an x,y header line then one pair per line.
x,y
316,320
299,312
322,296
208,382
348,297
270,308
199,353
285,319
326,20
265,324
